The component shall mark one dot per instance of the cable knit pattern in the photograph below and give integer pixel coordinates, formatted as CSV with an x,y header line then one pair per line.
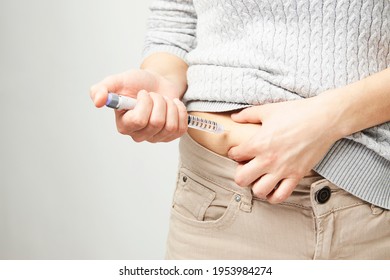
x,y
251,52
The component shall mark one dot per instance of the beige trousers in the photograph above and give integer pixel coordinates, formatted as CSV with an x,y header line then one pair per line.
x,y
213,218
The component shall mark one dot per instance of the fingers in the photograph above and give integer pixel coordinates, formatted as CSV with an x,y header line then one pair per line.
x,y
255,145
265,185
157,111
128,122
244,152
183,116
273,189
250,115
172,119
283,191
249,172
155,118
171,123
176,121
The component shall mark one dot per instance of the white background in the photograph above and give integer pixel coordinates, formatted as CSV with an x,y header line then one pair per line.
x,y
72,187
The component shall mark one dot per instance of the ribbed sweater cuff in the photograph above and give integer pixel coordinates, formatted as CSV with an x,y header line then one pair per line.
x,y
165,48
353,167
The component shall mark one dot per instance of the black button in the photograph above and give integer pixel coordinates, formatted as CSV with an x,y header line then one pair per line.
x,y
184,179
323,195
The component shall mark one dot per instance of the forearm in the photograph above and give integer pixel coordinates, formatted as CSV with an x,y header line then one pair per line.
x,y
170,67
358,106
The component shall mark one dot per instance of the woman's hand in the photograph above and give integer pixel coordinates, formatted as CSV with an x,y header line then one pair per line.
x,y
159,115
293,137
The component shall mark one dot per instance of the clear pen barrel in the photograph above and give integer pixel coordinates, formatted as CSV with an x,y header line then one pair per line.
x,y
204,124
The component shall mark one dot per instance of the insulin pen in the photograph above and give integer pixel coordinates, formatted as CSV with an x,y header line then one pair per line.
x,y
120,102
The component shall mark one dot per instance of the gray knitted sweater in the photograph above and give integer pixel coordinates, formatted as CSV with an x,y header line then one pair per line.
x,y
250,52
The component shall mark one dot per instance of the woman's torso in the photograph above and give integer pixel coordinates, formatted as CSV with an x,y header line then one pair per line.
x,y
234,135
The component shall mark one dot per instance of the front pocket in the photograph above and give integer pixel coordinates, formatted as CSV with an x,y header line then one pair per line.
x,y
192,199
199,200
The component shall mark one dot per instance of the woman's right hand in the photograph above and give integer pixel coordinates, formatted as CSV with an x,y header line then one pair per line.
x,y
159,115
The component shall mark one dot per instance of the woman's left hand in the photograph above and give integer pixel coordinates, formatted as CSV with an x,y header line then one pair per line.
x,y
293,137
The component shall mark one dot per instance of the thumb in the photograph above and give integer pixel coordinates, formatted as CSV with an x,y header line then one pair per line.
x,y
98,95
126,83
249,115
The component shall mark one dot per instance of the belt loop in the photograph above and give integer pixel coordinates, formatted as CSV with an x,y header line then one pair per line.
x,y
376,210
246,207
245,201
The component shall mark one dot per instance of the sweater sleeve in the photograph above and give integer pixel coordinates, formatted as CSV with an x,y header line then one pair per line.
x,y
171,28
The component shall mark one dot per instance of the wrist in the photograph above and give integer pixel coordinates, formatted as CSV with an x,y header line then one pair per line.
x,y
347,111
332,112
170,70
359,105
168,84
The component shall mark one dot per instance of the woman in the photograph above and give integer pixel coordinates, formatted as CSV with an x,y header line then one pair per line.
x,y
303,171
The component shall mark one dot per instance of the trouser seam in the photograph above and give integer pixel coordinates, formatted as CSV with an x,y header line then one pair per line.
x,y
316,234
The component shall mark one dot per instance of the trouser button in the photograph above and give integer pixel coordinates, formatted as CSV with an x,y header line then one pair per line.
x,y
323,195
